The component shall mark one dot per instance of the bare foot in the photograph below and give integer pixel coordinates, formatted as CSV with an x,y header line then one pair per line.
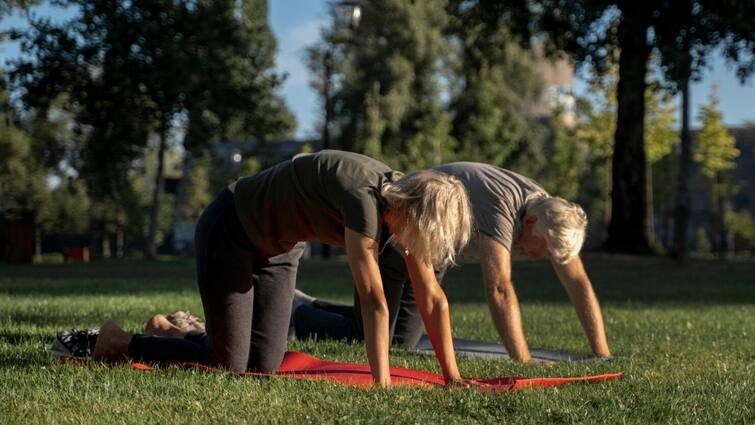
x,y
159,325
112,343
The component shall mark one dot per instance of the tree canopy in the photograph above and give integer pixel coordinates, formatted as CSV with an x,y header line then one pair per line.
x,y
128,72
682,33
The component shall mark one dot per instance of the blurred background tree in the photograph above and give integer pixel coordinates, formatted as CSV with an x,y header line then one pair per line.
x,y
22,174
596,125
124,101
493,84
682,34
388,101
715,151
127,72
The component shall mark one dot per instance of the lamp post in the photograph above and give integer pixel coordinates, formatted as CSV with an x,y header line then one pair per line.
x,y
348,12
327,94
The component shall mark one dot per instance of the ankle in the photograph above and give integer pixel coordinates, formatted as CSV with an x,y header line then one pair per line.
x,y
112,343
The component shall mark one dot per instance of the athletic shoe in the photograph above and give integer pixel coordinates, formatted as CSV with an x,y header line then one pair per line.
x,y
303,298
75,343
187,321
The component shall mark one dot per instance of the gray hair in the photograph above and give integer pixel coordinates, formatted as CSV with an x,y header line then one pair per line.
x,y
434,213
561,223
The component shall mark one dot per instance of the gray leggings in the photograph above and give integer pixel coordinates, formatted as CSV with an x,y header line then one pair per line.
x,y
326,320
246,300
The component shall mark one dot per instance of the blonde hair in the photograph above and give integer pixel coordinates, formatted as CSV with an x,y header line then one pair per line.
x,y
561,223
433,212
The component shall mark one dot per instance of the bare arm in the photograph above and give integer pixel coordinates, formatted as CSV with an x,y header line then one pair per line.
x,y
502,301
361,253
574,279
433,307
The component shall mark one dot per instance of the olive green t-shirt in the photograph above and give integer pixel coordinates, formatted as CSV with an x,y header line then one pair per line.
x,y
312,196
498,197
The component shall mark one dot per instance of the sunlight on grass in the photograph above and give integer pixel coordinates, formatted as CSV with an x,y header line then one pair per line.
x,y
684,337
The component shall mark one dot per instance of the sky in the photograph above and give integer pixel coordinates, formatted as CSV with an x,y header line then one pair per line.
x,y
296,25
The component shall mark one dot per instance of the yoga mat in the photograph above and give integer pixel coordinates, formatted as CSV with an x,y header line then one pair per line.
x,y
493,351
297,365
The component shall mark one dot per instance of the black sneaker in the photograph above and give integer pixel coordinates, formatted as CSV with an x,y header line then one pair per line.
x,y
75,343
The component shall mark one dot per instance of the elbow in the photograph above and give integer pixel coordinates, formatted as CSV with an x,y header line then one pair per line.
x,y
441,306
500,291
436,306
374,305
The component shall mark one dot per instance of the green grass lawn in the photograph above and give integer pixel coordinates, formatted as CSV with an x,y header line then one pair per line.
x,y
685,336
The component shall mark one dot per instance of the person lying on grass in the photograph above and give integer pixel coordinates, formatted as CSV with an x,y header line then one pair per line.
x,y
510,212
249,241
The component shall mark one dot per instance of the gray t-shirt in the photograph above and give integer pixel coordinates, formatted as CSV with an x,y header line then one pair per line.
x,y
312,196
498,198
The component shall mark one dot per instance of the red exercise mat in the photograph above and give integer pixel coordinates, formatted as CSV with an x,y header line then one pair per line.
x,y
297,365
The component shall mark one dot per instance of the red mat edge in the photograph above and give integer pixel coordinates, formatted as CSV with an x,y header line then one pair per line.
x,y
317,370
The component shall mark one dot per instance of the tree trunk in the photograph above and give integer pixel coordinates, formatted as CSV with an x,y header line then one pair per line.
x,y
94,230
37,240
720,200
151,245
120,242
107,253
628,229
607,210
650,207
682,212
181,213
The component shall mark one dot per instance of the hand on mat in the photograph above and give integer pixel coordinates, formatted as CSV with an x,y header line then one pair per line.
x,y
461,383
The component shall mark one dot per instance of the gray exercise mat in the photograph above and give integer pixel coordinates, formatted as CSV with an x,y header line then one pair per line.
x,y
493,351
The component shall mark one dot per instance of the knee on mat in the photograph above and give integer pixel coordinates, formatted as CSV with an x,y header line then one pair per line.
x,y
266,365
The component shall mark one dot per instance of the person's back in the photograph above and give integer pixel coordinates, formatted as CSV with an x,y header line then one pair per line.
x,y
498,198
312,196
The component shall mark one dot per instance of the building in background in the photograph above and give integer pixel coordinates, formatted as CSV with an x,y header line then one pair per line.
x,y
558,79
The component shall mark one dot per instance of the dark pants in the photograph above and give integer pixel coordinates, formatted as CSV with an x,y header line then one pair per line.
x,y
325,320
246,299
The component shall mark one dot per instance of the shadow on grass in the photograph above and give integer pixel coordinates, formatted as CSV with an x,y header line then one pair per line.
x,y
22,362
104,270
20,357
616,280
16,338
98,278
65,286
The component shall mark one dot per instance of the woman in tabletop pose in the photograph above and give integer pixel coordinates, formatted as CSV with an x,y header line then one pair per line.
x,y
250,239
